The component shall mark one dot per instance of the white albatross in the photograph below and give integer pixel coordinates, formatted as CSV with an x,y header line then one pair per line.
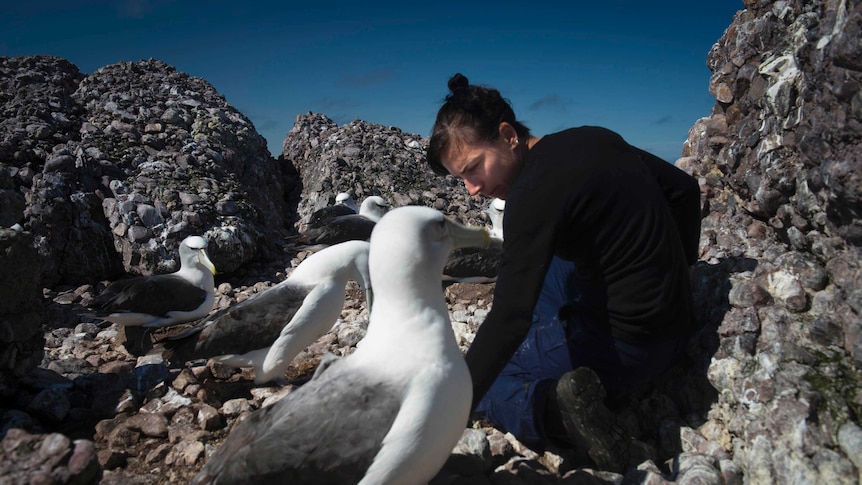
x,y
163,300
495,211
343,198
269,329
390,412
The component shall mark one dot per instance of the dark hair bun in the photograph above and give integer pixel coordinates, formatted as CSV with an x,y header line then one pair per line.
x,y
458,82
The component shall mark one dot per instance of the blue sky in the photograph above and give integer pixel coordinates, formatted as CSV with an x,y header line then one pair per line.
x,y
636,67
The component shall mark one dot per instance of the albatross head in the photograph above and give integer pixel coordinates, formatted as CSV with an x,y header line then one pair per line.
x,y
343,198
374,207
413,240
193,252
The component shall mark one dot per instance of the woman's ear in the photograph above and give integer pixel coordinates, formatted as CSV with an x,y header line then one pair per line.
x,y
508,133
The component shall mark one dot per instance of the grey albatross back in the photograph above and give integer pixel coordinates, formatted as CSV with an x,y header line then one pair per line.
x,y
390,412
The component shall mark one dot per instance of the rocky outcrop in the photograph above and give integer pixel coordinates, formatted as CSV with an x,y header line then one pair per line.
x,y
111,171
780,163
38,112
178,160
365,159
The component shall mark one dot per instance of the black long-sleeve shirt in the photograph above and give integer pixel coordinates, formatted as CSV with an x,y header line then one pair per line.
x,y
628,220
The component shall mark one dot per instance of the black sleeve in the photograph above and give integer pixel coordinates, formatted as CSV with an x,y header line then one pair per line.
x,y
682,193
527,251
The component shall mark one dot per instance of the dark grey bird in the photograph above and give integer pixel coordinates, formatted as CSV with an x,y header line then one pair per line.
x,y
475,265
391,411
344,205
346,227
162,300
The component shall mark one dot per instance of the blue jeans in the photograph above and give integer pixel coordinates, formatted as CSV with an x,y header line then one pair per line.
x,y
516,400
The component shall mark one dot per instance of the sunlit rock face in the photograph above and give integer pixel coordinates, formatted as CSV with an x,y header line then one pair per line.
x,y
780,166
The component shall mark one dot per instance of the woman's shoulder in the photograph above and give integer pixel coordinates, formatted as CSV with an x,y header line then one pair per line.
x,y
582,142
585,132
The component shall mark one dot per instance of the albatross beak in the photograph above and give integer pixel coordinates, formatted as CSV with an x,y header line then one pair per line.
x,y
467,236
205,260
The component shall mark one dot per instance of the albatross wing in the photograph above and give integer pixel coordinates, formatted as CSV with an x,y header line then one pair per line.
x,y
327,431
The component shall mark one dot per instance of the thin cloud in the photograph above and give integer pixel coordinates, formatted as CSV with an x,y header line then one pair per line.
x,y
340,110
267,124
551,101
663,120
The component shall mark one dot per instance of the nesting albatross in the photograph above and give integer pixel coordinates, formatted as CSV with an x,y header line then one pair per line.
x,y
344,205
269,329
346,227
474,265
343,198
162,300
390,412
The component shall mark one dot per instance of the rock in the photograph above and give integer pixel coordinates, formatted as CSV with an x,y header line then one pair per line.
x,y
84,462
767,177
149,424
50,404
208,417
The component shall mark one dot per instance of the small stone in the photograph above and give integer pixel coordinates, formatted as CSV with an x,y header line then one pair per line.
x,y
150,424
84,462
185,453
219,370
111,459
183,379
208,417
234,407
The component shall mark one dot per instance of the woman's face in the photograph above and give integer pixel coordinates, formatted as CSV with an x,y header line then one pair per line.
x,y
487,168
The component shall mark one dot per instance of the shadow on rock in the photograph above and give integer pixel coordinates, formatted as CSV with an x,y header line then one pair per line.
x,y
681,397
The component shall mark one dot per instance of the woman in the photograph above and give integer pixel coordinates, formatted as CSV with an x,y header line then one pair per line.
x,y
593,290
